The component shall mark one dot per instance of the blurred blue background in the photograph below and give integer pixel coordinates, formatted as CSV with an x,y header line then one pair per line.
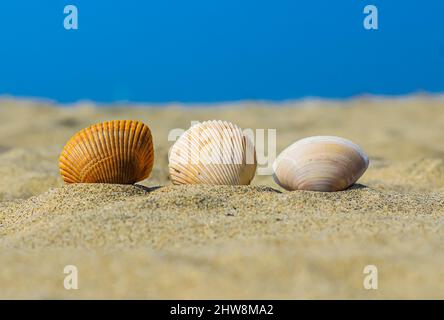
x,y
219,50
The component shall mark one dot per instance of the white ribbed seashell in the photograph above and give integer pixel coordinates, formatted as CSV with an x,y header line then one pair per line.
x,y
320,163
214,153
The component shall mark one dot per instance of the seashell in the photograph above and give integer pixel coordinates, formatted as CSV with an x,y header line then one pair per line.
x,y
320,163
111,152
213,153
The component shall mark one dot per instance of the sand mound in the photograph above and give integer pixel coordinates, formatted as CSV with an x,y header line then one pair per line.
x,y
109,216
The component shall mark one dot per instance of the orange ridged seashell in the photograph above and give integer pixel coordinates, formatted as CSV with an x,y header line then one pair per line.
x,y
118,152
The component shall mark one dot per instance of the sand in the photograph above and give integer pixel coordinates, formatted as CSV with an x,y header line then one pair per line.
x,y
156,241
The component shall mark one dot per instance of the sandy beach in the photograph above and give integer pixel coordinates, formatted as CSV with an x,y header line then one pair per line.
x,y
155,240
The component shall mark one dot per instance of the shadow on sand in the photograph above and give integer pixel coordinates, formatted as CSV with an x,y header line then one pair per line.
x,y
357,186
147,189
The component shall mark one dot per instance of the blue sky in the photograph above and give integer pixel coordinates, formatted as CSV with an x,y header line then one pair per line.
x,y
219,50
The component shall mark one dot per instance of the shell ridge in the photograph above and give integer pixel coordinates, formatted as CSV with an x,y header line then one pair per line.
x,y
75,155
240,159
228,143
85,148
197,142
107,146
226,173
176,156
181,162
113,148
230,171
96,146
222,176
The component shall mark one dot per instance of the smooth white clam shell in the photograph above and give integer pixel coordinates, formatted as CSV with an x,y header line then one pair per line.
x,y
214,153
320,163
